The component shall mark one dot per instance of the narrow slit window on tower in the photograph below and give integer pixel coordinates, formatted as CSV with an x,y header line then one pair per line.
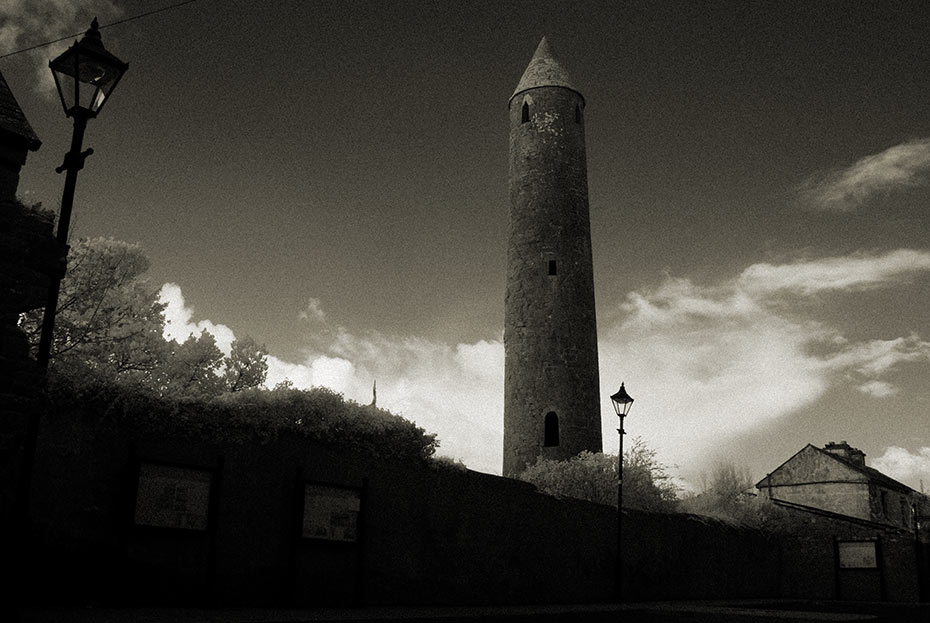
x,y
577,113
553,269
551,435
526,113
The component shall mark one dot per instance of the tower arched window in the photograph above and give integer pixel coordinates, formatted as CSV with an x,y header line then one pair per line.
x,y
526,113
551,434
577,113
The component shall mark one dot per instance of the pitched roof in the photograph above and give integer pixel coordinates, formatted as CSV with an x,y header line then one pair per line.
x,y
871,474
544,71
12,119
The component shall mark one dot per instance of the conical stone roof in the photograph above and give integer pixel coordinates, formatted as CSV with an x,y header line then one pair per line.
x,y
544,71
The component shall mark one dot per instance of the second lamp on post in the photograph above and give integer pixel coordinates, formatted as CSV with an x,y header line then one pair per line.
x,y
622,402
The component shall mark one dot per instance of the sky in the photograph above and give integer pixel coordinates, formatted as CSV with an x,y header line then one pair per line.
x,y
330,178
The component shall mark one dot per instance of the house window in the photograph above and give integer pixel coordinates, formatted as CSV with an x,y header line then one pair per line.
x,y
551,436
553,270
526,113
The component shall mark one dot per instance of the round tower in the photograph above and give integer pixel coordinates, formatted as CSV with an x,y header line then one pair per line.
x,y
551,402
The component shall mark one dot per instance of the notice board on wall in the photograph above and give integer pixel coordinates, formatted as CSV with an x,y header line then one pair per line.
x,y
172,497
857,554
331,513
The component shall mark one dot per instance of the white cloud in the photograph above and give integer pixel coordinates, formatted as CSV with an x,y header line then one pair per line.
x,y
858,272
455,391
704,362
877,357
846,189
878,389
911,468
179,323
316,371
313,311
709,363
25,23
300,375
715,361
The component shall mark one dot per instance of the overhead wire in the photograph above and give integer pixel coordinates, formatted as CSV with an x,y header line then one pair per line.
x,y
121,21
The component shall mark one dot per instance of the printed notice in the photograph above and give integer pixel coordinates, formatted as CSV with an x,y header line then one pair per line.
x,y
331,513
857,555
172,497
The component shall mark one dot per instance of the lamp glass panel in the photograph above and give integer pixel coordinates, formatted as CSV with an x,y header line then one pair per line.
x,y
622,401
65,85
95,80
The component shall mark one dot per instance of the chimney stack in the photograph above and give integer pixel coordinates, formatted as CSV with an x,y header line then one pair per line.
x,y
847,452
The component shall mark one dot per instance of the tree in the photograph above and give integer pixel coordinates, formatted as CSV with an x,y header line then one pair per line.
x,y
190,369
110,326
109,321
728,494
197,368
592,476
246,366
647,485
588,476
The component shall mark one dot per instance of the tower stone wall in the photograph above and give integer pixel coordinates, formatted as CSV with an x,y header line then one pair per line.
x,y
551,404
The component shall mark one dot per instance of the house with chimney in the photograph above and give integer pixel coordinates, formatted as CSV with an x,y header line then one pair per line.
x,y
836,479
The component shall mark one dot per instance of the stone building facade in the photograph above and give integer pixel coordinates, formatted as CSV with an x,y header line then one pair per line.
x,y
551,402
835,478
28,256
17,139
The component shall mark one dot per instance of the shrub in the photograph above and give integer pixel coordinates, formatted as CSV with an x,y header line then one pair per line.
x,y
592,476
249,416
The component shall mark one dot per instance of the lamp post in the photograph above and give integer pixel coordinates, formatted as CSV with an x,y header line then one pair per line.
x,y
85,75
622,402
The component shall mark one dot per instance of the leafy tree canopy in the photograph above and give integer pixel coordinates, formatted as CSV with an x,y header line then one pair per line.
x,y
110,325
593,476
728,494
112,365
108,320
246,366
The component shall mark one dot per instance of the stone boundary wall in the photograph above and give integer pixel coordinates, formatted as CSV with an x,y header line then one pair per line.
x,y
810,561
426,536
28,256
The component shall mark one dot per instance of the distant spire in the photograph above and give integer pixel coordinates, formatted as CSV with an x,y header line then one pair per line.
x,y
374,393
544,71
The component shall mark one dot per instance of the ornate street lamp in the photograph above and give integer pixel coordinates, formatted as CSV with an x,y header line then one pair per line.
x,y
622,402
85,75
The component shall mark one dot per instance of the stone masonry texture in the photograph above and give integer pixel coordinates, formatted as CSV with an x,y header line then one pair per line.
x,y
550,331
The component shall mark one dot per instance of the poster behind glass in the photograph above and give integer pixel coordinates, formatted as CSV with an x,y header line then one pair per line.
x,y
331,513
172,497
